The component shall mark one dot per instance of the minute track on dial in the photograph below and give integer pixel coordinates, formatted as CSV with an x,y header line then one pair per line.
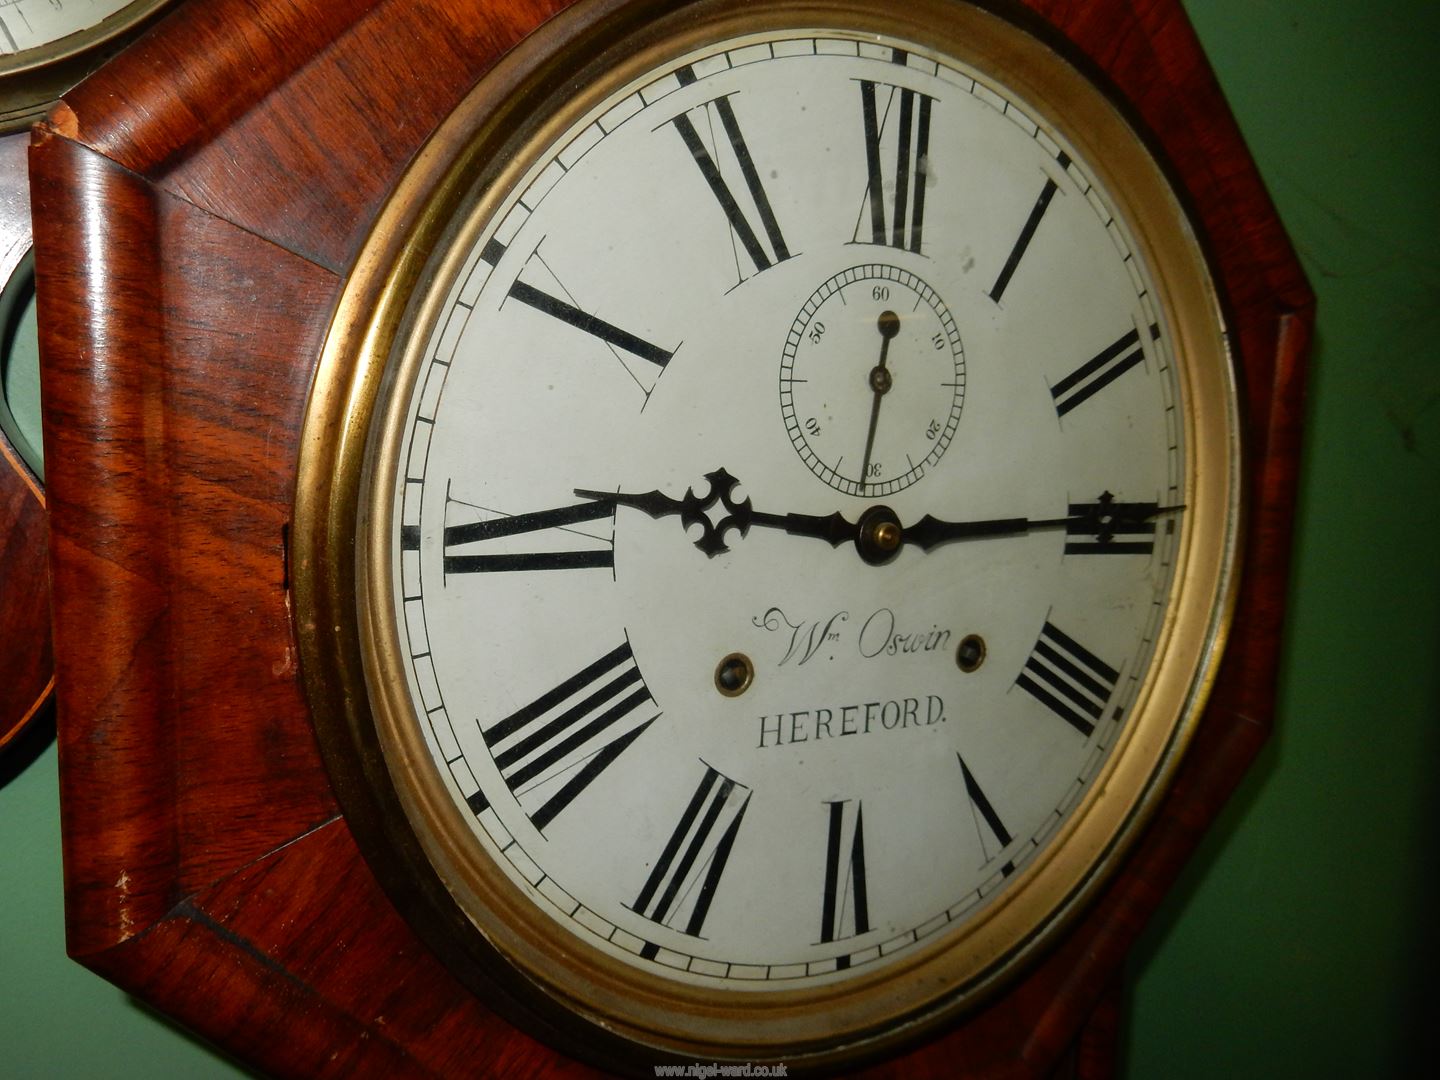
x,y
878,534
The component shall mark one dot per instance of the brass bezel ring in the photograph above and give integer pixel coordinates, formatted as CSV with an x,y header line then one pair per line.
x,y
405,819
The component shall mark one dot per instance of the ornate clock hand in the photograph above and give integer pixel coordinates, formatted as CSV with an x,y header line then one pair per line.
x,y
878,534
880,382
693,509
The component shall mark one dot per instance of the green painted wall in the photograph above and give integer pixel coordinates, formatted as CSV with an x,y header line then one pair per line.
x,y
1299,940
1300,943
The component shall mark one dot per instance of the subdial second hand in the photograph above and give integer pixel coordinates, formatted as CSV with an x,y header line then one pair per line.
x,y
881,381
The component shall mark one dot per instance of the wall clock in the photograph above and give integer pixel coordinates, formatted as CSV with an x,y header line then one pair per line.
x,y
45,47
720,551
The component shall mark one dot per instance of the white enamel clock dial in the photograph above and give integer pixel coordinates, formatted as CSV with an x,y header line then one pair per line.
x,y
789,565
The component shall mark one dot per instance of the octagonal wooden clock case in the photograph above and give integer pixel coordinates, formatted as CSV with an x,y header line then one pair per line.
x,y
596,534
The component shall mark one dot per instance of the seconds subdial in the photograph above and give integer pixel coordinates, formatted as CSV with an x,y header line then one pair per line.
x,y
872,380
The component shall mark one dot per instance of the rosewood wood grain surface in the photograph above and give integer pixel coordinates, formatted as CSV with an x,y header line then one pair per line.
x,y
200,201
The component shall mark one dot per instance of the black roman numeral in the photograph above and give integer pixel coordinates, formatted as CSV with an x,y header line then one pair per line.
x,y
571,315
744,228
1069,680
903,226
1027,233
539,521
1108,527
1094,375
683,881
985,818
554,748
846,896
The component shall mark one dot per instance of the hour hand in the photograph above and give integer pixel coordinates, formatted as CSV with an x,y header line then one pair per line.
x,y
693,509
739,516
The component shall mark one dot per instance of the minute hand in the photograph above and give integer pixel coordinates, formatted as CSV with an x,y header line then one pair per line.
x,y
1101,521
931,532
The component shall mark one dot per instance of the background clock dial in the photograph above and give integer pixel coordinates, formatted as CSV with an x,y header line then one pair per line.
x,y
46,46
28,24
